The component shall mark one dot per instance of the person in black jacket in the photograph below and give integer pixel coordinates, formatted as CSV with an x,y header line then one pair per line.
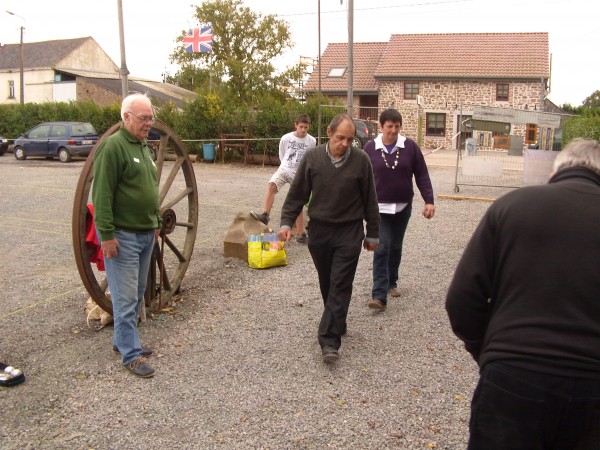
x,y
525,300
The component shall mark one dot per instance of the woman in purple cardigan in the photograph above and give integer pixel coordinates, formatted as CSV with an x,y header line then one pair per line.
x,y
395,159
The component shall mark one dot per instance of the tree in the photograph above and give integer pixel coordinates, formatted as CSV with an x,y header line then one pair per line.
x,y
191,77
244,44
587,123
593,101
570,109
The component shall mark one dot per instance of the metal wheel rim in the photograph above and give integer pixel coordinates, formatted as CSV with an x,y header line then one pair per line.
x,y
181,252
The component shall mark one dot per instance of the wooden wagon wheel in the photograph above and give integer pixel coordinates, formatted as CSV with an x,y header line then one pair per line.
x,y
178,207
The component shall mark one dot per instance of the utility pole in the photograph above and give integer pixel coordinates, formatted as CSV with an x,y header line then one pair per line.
x,y
350,55
22,62
319,114
124,72
22,71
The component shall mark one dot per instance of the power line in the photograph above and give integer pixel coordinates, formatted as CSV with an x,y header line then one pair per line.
x,y
443,2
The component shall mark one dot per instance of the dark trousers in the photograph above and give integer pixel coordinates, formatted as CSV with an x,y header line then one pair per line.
x,y
515,408
387,257
335,250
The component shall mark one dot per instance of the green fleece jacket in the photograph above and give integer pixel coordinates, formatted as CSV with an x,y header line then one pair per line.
x,y
125,190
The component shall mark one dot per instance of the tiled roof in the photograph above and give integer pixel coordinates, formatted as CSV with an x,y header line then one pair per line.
x,y
366,57
38,54
461,55
478,55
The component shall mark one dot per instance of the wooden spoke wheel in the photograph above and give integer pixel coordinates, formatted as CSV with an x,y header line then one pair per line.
x,y
178,197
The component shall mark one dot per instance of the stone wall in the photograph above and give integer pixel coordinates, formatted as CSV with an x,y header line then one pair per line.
x,y
448,97
452,98
100,96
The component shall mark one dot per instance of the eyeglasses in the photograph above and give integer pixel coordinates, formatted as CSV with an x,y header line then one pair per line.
x,y
143,118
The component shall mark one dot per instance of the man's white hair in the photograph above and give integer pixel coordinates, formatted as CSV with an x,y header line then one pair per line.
x,y
130,100
579,152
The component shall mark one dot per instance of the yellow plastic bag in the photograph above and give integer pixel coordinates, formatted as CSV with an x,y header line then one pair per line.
x,y
266,250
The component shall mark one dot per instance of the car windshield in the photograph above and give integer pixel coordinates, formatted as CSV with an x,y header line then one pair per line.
x,y
82,129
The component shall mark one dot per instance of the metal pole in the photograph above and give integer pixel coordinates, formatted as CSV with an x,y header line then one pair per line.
x,y
124,72
22,62
350,55
458,150
320,119
22,70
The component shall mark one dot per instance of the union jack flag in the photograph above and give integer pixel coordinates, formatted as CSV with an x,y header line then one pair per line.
x,y
198,40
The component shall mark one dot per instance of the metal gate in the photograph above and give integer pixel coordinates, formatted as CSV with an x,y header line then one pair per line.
x,y
508,148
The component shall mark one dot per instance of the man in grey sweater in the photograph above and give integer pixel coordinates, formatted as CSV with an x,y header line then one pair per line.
x,y
340,179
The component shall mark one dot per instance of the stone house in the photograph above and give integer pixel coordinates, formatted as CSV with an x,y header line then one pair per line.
x,y
438,80
71,69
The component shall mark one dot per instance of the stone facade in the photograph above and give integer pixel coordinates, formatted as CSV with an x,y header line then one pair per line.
x,y
448,97
453,98
95,93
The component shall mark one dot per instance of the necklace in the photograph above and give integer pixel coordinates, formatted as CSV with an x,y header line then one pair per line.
x,y
395,162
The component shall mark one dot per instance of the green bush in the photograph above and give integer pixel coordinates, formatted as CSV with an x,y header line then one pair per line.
x,y
17,119
582,126
203,119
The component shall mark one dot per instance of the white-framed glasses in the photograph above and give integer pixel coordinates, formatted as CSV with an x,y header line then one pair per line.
x,y
143,118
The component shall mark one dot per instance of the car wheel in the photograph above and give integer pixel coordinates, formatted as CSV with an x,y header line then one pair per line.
x,y
64,155
356,143
20,153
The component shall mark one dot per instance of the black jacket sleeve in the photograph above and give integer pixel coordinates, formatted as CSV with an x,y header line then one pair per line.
x,y
469,297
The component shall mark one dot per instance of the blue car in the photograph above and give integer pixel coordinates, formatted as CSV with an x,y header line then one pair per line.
x,y
3,145
56,139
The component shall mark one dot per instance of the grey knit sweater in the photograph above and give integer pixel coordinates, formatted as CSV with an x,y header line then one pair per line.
x,y
339,195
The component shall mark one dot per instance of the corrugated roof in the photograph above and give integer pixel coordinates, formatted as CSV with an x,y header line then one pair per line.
x,y
161,91
366,58
459,55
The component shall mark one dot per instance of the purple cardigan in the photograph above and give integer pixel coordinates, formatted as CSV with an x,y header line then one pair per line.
x,y
396,186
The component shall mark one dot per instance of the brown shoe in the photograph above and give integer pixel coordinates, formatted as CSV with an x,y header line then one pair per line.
x,y
376,304
394,292
140,369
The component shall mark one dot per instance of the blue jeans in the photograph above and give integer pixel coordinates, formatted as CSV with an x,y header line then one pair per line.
x,y
515,408
127,275
387,257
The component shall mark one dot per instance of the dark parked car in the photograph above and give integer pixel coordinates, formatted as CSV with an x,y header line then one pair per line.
x,y
57,139
365,131
3,145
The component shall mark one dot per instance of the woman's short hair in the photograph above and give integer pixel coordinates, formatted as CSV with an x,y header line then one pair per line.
x,y
392,115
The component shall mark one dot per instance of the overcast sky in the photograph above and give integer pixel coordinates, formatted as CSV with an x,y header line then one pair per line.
x,y
152,26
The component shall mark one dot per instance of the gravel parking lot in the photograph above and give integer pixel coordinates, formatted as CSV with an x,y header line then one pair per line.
x,y
237,361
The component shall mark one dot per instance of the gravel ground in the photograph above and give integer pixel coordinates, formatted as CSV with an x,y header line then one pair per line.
x,y
237,361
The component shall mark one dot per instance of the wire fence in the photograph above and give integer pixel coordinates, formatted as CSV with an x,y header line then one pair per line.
x,y
507,148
